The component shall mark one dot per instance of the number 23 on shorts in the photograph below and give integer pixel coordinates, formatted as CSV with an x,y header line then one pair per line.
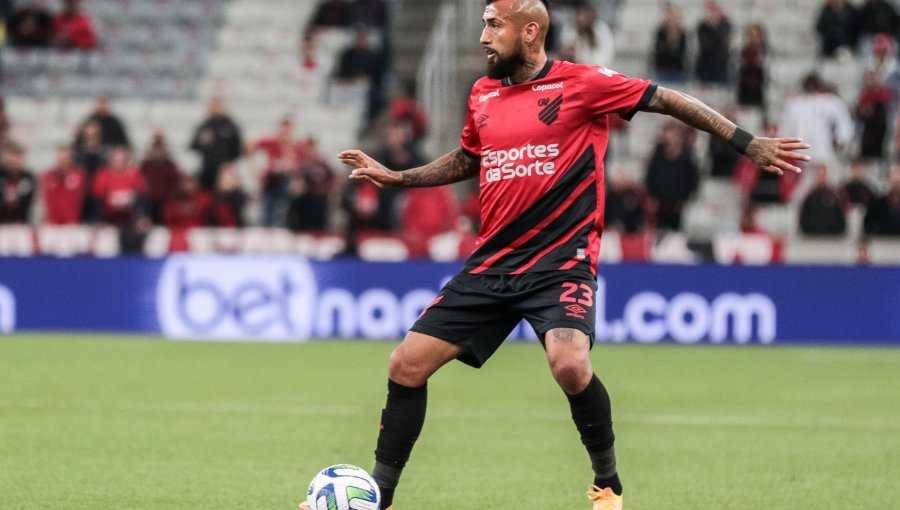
x,y
584,298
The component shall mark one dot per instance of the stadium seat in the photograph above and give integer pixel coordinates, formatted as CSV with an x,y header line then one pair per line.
x,y
811,250
884,251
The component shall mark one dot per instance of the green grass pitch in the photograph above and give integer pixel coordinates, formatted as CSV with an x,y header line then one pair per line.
x,y
119,423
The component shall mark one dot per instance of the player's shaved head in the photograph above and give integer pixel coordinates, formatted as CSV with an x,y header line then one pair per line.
x,y
523,12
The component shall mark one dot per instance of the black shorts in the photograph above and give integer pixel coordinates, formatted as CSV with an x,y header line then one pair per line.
x,y
478,312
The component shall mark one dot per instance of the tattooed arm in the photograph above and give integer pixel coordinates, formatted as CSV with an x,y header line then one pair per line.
x,y
455,166
767,153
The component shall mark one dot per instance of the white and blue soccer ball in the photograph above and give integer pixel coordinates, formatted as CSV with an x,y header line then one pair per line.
x,y
343,487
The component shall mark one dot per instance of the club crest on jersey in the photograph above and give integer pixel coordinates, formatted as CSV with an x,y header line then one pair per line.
x,y
550,112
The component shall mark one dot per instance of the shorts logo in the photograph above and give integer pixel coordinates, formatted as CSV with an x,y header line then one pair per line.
x,y
551,112
576,309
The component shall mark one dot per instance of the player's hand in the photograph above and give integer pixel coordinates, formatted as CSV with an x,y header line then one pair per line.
x,y
364,167
770,154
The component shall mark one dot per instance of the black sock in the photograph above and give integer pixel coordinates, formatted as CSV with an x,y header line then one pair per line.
x,y
592,415
401,423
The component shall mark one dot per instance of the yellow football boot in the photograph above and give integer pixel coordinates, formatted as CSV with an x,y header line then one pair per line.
x,y
604,499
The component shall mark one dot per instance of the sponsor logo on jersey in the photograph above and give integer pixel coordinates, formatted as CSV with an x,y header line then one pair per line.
x,y
485,97
519,162
549,86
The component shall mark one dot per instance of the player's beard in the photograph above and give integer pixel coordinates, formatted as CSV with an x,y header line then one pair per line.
x,y
507,65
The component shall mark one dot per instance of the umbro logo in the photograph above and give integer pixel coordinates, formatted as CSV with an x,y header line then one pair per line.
x,y
550,112
576,309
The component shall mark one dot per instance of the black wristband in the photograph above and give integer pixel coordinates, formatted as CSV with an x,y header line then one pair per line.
x,y
740,140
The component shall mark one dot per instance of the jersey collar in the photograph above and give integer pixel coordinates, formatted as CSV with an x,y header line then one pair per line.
x,y
546,69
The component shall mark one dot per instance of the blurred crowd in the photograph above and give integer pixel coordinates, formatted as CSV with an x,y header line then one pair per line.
x,y
34,25
98,178
853,144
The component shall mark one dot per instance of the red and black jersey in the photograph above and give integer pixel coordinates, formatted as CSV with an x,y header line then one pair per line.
x,y
541,145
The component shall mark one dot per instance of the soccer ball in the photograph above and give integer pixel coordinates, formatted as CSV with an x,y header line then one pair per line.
x,y
343,487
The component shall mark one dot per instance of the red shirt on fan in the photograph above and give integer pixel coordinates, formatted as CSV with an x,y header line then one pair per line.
x,y
119,192
63,191
75,30
541,145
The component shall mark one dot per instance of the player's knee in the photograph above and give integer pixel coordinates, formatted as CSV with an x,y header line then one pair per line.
x,y
572,374
405,371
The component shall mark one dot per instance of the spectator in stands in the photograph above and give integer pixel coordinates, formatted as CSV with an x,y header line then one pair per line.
x,y
17,185
309,189
752,70
189,207
332,13
407,109
372,13
670,48
307,210
64,189
427,213
119,190
229,199
218,140
360,62
401,152
112,130
872,110
713,45
589,40
835,26
722,156
823,211
284,154
4,123
626,204
820,118
162,176
89,149
91,155
72,28
882,61
672,176
874,17
883,216
310,64
857,188
30,26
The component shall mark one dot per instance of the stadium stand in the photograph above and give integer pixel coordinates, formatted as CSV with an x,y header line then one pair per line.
x,y
161,61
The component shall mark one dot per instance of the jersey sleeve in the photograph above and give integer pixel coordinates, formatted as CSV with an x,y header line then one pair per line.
x,y
470,141
609,92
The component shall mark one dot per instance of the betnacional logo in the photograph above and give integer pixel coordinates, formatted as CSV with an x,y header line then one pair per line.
x,y
275,299
236,298
7,310
519,162
688,317
485,97
544,88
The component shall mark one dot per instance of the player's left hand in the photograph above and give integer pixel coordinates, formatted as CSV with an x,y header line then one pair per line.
x,y
771,154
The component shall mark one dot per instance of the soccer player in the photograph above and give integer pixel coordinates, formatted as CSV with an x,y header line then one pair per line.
x,y
535,135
